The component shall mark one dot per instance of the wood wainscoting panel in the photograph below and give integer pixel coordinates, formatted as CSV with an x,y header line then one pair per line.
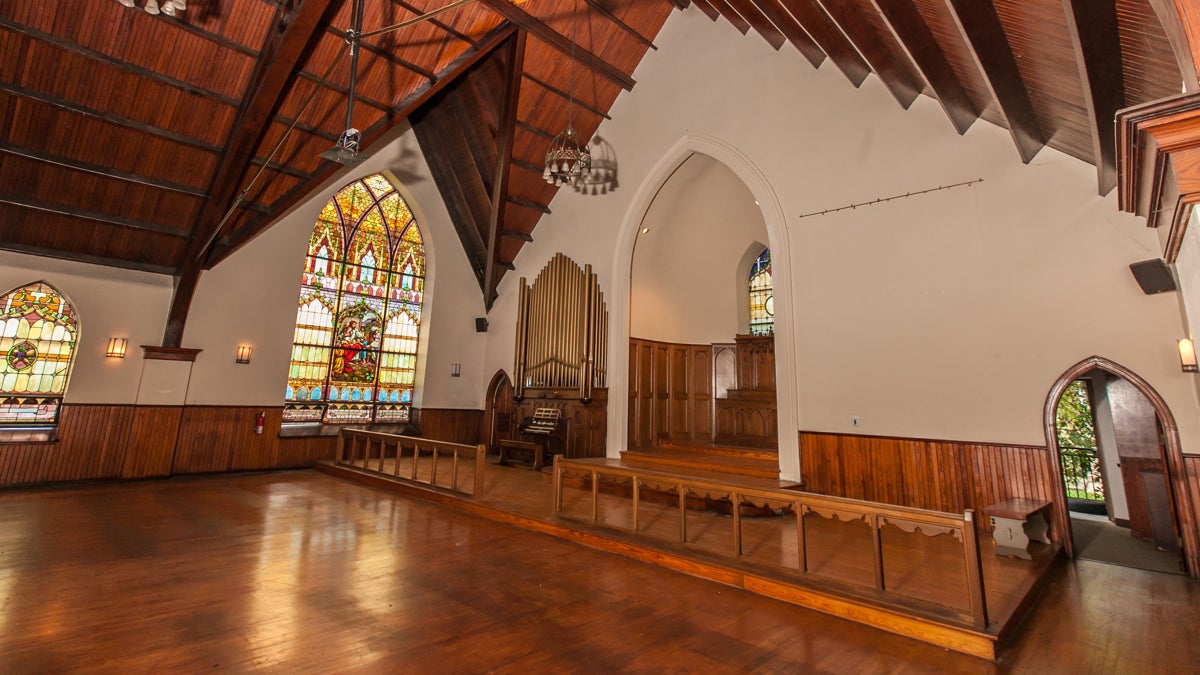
x,y
670,392
928,474
91,444
450,424
151,447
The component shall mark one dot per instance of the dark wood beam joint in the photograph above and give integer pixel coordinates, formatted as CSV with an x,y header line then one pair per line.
x,y
567,97
541,208
1097,44
508,132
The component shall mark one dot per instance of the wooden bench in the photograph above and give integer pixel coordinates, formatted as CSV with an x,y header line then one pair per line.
x,y
1017,521
536,453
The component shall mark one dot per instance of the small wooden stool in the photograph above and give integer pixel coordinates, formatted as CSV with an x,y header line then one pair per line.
x,y
1017,521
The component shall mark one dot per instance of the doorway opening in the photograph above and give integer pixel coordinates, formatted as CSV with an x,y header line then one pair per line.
x,y
498,412
1113,463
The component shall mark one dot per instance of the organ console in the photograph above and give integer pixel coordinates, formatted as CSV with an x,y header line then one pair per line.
x,y
543,434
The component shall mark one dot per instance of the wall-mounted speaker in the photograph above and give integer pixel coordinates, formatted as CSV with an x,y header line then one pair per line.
x,y
1154,276
481,325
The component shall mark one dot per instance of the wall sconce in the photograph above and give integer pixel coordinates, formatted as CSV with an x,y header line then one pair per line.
x,y
116,348
1187,355
243,353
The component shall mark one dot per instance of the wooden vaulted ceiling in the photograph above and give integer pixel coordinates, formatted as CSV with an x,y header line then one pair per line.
x,y
135,140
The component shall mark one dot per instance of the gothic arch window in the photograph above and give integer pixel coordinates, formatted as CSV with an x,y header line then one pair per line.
x,y
762,298
38,334
354,355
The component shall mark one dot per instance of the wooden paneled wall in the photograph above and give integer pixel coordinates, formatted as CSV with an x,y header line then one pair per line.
x,y
126,441
939,475
670,392
589,421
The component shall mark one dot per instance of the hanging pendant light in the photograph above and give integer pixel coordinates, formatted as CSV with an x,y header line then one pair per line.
x,y
568,161
347,147
168,7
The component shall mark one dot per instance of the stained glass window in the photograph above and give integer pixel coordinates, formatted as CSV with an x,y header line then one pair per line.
x,y
354,356
38,333
762,298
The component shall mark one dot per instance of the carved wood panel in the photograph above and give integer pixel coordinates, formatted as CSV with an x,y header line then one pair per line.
x,y
588,423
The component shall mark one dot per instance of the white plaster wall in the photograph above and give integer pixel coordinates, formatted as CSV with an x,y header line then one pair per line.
x,y
1187,269
110,303
685,285
250,298
947,315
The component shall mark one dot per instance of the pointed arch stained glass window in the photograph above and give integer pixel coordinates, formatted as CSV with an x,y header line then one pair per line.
x,y
38,334
762,297
354,356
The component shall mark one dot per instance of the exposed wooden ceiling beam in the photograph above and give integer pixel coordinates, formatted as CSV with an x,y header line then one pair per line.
x,y
516,234
281,168
522,124
1093,29
790,27
96,216
629,30
103,171
215,38
540,208
459,203
831,40
386,55
403,109
906,24
508,132
567,97
680,4
984,35
294,32
759,22
704,7
535,27
528,166
345,91
89,258
897,75
450,30
117,120
731,15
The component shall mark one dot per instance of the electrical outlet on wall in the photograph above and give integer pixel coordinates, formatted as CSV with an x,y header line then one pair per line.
x,y
855,422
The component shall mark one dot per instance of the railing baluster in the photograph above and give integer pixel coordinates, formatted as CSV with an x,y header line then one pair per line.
x,y
736,499
480,463
682,513
416,454
454,472
595,495
399,454
558,478
877,542
341,449
636,499
970,539
382,452
433,471
801,542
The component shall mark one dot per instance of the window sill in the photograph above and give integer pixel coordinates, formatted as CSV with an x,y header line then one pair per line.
x,y
331,430
28,436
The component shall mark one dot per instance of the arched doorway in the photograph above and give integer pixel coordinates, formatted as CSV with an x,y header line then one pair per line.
x,y
1175,485
498,411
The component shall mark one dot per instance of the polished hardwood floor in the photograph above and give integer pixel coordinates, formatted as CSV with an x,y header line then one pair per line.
x,y
300,572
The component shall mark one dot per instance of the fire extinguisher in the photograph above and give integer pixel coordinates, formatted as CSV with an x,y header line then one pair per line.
x,y
259,422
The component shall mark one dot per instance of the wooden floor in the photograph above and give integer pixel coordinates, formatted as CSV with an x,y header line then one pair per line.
x,y
300,572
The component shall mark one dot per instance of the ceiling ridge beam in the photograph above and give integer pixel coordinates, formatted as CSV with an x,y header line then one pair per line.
x,y
916,39
535,27
508,132
791,28
96,216
604,12
830,39
110,118
565,96
102,171
897,75
980,28
1097,46
327,168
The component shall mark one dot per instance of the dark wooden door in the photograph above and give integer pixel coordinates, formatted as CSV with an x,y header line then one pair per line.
x,y
499,414
1143,471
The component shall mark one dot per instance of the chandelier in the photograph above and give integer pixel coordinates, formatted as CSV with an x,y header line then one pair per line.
x,y
602,178
168,7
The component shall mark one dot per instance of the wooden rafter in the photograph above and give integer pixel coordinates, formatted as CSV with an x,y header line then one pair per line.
x,y
984,35
790,27
508,132
897,76
97,170
759,22
1093,30
567,97
831,40
906,24
731,15
706,8
91,258
95,216
535,27
629,30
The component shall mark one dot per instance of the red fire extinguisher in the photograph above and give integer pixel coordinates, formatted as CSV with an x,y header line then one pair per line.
x,y
259,422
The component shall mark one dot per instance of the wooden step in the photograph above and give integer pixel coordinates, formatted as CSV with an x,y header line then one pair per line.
x,y
710,448
701,461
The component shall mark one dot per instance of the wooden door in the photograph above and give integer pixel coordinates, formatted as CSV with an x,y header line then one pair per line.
x,y
1143,471
498,417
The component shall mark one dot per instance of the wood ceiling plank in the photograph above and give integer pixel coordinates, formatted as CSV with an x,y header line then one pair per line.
x,y
95,216
449,30
984,35
566,96
545,33
707,9
829,37
914,36
98,170
759,21
731,15
898,76
629,30
791,28
1097,46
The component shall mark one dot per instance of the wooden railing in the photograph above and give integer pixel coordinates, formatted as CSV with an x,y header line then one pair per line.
x,y
411,458
930,523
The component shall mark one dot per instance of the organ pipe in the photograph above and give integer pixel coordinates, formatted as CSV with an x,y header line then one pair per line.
x,y
562,330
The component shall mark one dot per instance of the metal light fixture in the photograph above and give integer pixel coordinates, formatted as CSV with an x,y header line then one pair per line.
x,y
602,178
1187,355
243,353
168,7
568,161
116,348
345,151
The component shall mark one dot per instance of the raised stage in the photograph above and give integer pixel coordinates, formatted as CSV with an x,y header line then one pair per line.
x,y
928,585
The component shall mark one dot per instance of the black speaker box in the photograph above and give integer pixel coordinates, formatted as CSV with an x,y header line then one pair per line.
x,y
1154,276
481,325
